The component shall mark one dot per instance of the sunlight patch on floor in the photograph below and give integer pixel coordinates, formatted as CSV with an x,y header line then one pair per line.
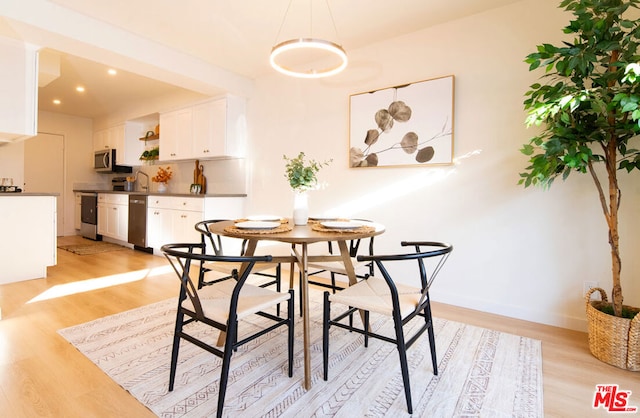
x,y
99,283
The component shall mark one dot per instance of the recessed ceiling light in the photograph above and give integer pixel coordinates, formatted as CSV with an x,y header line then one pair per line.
x,y
80,89
111,71
56,102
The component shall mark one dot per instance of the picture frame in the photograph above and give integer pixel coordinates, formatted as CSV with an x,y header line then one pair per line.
x,y
405,125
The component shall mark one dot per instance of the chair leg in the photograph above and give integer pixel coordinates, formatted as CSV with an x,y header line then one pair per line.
x,y
278,286
432,338
333,282
291,321
175,349
366,328
226,363
402,351
326,316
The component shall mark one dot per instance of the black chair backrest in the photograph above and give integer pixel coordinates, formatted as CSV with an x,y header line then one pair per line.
x,y
440,252
181,256
215,240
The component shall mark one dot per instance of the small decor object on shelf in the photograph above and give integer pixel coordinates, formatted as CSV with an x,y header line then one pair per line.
x,y
150,154
162,178
301,175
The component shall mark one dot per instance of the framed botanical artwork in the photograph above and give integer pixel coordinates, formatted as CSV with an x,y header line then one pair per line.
x,y
410,124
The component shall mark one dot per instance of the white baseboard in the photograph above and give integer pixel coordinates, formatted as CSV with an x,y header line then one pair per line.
x,y
573,323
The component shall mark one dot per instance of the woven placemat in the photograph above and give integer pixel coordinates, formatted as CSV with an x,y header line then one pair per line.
x,y
284,227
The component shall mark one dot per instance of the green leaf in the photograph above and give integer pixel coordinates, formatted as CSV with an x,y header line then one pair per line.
x,y
527,149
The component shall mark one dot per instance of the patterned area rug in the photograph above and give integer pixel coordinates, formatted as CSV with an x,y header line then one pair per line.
x,y
94,247
482,373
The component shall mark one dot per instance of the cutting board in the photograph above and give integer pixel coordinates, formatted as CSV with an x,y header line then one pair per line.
x,y
199,178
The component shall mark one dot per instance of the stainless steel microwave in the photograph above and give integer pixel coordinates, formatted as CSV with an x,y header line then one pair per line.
x,y
104,161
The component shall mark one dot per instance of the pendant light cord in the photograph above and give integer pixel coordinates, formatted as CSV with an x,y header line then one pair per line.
x,y
282,23
335,28
286,13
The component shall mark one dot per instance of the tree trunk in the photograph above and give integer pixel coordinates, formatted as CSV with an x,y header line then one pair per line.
x,y
611,152
614,238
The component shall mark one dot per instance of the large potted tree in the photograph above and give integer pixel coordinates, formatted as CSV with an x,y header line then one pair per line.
x,y
587,108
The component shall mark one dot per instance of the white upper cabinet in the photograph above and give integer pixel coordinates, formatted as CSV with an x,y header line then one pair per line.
x,y
208,130
124,138
19,87
176,137
110,138
205,121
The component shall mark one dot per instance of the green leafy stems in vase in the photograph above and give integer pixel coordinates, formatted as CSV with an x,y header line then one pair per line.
x,y
301,174
302,177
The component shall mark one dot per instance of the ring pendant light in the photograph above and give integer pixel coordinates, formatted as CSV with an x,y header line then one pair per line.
x,y
311,45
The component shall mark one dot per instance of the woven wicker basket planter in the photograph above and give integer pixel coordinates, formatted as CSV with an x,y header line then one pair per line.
x,y
613,340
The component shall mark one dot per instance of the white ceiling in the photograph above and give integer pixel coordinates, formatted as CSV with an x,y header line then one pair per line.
x,y
234,35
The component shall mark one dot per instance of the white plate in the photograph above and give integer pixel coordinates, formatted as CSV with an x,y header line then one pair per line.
x,y
341,224
257,225
323,218
271,218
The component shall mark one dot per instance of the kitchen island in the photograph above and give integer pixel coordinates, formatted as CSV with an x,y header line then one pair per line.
x,y
28,238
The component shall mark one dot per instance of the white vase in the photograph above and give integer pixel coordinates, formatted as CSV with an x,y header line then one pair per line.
x,y
162,187
300,208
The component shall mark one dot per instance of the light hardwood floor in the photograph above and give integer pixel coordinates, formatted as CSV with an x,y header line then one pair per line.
x,y
41,375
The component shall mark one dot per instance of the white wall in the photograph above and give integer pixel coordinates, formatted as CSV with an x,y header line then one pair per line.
x,y
12,162
521,253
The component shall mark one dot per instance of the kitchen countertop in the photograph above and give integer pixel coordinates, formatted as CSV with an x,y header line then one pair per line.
x,y
23,194
156,193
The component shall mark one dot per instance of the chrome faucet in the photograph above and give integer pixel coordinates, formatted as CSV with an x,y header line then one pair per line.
x,y
146,186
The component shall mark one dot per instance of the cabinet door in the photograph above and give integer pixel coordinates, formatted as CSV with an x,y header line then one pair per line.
x,y
158,227
19,87
204,130
103,210
112,221
183,226
100,140
115,140
122,222
176,141
77,214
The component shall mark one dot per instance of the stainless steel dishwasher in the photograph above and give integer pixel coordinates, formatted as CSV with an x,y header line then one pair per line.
x,y
89,216
138,222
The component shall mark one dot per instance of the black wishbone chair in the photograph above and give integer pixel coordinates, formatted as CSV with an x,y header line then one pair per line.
x,y
214,245
387,297
222,305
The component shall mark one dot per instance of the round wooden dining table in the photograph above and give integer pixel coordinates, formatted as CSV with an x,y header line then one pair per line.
x,y
302,236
